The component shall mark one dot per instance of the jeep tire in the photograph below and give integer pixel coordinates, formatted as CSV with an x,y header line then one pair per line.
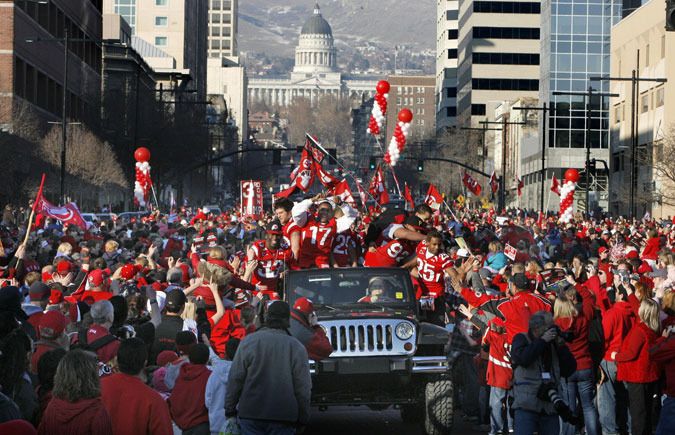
x,y
438,407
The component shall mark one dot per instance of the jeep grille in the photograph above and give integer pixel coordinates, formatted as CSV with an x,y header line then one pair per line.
x,y
364,337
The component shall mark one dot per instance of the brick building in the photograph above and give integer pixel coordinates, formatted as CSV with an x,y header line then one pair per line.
x,y
416,93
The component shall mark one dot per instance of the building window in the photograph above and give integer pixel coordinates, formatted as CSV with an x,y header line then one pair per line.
x,y
450,112
617,114
451,15
398,101
161,41
660,96
644,103
451,92
506,32
478,109
161,2
499,7
452,53
505,84
400,90
506,58
453,33
161,21
420,101
420,90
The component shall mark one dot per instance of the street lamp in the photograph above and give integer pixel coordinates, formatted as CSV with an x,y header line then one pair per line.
x,y
634,79
587,101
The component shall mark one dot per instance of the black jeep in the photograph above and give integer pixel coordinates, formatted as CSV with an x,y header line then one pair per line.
x,y
384,353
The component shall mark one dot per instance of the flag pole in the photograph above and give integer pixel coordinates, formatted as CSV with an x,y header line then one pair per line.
x,y
32,211
450,210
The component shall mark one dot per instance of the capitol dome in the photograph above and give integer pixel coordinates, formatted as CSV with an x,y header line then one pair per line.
x,y
315,52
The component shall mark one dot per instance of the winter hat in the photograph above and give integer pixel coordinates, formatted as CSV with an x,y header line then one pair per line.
x,y
165,357
96,278
55,297
39,291
184,341
278,315
63,267
304,306
128,271
52,324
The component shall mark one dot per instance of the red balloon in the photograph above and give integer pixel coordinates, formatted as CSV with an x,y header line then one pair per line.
x,y
572,175
383,87
142,154
405,115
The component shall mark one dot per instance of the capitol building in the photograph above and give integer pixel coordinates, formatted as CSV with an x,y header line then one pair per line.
x,y
315,73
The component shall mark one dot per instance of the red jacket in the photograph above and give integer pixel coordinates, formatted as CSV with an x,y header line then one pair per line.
x,y
84,417
651,250
499,372
227,327
616,323
600,293
664,353
187,398
579,327
634,364
135,408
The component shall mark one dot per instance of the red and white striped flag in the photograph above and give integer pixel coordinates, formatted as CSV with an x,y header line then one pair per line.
x,y
555,185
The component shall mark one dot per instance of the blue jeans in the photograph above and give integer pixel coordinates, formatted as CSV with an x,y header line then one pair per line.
x,y
581,384
528,422
667,418
262,427
612,401
499,402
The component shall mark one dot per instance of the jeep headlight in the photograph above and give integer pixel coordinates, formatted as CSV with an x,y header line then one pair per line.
x,y
404,330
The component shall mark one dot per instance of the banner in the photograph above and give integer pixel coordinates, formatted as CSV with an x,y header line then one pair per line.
x,y
377,188
68,214
251,194
555,185
471,184
344,192
433,198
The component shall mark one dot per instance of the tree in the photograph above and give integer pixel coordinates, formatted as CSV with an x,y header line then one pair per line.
x,y
662,162
300,117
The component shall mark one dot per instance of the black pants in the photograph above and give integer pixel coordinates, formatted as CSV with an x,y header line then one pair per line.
x,y
200,429
641,406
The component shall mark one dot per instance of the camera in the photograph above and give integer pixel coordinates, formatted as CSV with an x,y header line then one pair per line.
x,y
565,335
548,392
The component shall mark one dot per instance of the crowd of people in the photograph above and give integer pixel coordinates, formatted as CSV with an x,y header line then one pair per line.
x,y
176,323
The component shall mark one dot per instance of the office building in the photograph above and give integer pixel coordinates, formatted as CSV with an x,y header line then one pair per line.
x,y
32,60
641,37
415,93
223,28
498,55
446,63
575,47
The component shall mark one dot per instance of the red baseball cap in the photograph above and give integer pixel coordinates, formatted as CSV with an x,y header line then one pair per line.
x,y
128,271
55,297
602,249
63,267
304,305
96,278
165,357
52,324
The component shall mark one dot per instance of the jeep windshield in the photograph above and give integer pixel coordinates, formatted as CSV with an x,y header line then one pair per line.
x,y
365,287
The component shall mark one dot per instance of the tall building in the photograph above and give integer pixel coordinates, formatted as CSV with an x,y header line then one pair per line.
x,y
171,35
417,94
315,73
446,63
641,37
32,60
223,28
498,55
575,47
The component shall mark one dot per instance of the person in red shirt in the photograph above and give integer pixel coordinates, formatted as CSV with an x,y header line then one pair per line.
x,y
345,250
650,253
96,288
305,327
637,369
186,404
291,231
135,408
664,353
396,252
499,376
270,259
51,330
98,338
432,266
575,324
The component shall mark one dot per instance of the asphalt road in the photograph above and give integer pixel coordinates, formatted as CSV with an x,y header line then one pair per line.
x,y
356,420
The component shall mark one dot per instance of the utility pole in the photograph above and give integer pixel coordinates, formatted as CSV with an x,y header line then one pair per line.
x,y
635,93
587,102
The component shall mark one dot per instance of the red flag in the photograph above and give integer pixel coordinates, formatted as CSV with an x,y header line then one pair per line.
x,y
541,221
408,197
555,185
286,192
68,214
304,177
494,183
362,195
312,145
344,192
325,177
433,198
377,187
471,184
520,186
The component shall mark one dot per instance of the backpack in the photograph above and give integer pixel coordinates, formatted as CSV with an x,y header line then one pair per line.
x,y
96,344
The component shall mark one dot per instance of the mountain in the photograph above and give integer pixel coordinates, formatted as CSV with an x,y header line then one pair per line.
x,y
272,26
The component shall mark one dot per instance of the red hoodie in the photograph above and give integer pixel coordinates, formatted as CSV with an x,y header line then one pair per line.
x,y
616,323
579,327
187,398
664,353
227,327
84,417
600,293
651,251
633,362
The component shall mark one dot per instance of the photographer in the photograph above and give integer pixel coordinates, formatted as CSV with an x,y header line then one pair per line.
x,y
540,361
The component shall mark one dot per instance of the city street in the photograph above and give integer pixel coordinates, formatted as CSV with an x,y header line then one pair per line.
x,y
361,420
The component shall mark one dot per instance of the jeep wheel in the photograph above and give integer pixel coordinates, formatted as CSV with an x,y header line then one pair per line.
x,y
438,408
412,413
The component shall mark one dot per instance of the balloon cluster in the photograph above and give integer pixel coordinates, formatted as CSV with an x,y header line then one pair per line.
x,y
401,132
567,195
379,108
143,181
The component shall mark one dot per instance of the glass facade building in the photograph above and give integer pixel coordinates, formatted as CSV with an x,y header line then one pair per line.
x,y
575,45
127,10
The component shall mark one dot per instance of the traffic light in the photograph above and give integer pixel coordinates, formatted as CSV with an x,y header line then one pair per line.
x,y
373,163
420,166
276,157
591,166
670,15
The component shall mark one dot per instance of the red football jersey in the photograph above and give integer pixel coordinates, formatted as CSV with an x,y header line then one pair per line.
x,y
431,270
288,229
316,243
342,244
270,264
390,254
